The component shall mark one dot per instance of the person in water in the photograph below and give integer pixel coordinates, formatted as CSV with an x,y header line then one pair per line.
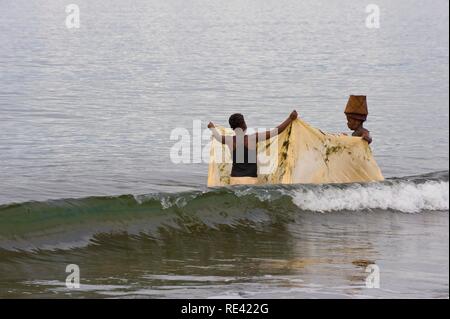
x,y
356,112
243,146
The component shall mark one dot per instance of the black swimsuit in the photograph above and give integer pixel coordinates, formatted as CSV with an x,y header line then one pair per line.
x,y
246,167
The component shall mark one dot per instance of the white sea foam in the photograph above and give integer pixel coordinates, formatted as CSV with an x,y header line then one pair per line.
x,y
406,197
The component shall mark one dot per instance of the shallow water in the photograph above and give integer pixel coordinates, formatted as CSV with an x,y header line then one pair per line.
x,y
315,256
86,116
298,241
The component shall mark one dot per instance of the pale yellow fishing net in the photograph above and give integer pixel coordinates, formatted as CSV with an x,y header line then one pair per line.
x,y
301,154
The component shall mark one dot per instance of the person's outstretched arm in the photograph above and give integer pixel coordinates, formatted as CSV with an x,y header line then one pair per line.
x,y
366,136
279,129
219,137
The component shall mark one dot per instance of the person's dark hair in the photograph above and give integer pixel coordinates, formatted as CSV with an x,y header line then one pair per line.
x,y
237,120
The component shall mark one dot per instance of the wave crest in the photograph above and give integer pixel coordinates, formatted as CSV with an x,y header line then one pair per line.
x,y
69,223
406,197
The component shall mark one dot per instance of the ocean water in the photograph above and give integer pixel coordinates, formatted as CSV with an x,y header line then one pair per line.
x,y
86,176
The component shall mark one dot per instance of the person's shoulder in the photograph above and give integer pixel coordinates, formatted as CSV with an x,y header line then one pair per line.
x,y
361,132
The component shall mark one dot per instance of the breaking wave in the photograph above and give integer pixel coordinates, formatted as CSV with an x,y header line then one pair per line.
x,y
69,223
